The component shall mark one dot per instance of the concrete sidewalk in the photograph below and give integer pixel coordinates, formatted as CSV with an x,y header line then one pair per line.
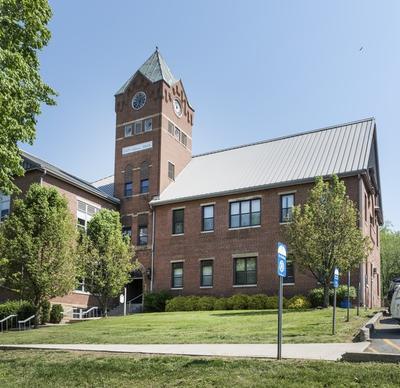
x,y
328,351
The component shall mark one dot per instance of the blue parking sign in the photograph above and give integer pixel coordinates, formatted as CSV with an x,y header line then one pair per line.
x,y
336,278
281,258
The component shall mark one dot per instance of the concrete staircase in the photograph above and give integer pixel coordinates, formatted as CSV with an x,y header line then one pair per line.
x,y
131,308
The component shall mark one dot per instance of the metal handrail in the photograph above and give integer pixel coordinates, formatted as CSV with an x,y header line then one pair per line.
x,y
24,322
136,297
95,308
6,319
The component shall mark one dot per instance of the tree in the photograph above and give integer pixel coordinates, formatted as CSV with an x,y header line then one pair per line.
x,y
390,255
23,32
38,242
109,257
324,233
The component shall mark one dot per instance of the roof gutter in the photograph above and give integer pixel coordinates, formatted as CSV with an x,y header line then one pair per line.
x,y
159,202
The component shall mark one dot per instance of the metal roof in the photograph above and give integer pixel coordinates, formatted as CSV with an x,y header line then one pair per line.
x,y
342,149
32,162
106,185
155,69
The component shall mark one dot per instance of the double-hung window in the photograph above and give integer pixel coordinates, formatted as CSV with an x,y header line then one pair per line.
x,y
127,231
245,271
144,186
171,171
128,130
245,213
207,215
178,217
128,189
206,273
289,278
142,235
177,275
148,125
287,203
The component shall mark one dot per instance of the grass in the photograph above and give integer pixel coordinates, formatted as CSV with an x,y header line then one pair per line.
x,y
66,369
246,326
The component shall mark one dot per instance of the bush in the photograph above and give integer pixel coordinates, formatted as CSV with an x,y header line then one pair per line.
x,y
176,304
341,293
258,302
45,312
206,303
238,302
21,308
298,302
56,313
316,297
220,304
155,301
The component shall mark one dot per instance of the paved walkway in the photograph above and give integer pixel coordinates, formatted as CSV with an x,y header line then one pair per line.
x,y
333,351
386,337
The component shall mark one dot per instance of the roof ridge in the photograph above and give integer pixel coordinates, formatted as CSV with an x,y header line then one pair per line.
x,y
285,137
98,180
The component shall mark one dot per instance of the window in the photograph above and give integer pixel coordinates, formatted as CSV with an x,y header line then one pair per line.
x,y
287,203
206,273
289,278
207,218
245,213
171,128
81,285
128,189
85,213
142,235
4,206
138,127
144,186
127,231
184,139
128,130
177,275
148,125
178,221
171,171
177,133
245,271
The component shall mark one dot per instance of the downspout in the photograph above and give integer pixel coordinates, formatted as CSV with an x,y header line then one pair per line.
x,y
361,276
41,176
153,233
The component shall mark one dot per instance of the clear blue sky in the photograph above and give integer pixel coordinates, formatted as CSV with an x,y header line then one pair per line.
x,y
253,70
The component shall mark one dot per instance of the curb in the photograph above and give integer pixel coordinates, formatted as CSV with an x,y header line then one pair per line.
x,y
364,333
371,357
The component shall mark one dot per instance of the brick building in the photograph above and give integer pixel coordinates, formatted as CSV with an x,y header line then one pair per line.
x,y
209,224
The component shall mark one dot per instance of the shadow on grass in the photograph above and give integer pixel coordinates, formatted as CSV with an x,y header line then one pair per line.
x,y
254,313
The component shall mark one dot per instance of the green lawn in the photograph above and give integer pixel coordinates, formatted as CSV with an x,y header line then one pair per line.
x,y
198,327
66,369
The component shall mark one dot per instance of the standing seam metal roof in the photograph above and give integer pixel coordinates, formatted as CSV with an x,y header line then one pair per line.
x,y
341,149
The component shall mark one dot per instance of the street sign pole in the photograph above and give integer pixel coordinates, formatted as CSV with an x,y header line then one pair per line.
x,y
280,318
125,301
281,263
335,286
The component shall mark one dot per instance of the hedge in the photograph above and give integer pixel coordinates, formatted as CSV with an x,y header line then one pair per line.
x,y
21,308
234,302
56,313
155,301
316,295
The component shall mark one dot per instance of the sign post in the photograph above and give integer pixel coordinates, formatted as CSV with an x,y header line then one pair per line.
x,y
335,285
281,259
348,296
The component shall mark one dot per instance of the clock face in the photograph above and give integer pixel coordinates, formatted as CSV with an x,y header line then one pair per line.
x,y
138,100
177,107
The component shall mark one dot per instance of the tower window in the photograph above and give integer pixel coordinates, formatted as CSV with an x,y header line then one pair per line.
x,y
178,216
138,127
128,189
184,139
171,171
128,130
148,125
171,128
177,133
144,186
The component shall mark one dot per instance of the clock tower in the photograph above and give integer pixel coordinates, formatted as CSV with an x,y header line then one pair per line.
x,y
153,144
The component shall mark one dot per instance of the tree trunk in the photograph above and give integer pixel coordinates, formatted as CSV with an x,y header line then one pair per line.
x,y
326,294
36,305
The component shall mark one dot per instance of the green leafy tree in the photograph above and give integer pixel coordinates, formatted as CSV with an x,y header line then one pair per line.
x,y
38,242
324,233
108,257
23,33
390,255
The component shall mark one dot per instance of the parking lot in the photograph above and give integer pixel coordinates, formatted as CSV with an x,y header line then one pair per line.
x,y
386,336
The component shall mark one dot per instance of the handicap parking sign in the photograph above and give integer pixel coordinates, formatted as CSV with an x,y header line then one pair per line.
x,y
281,257
336,278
